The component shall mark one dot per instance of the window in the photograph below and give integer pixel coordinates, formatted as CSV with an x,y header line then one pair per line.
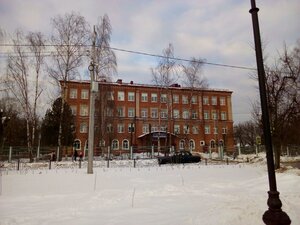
x,y
154,129
214,100
192,144
144,112
224,130
194,114
163,98
145,128
83,128
207,129
77,144
84,94
181,144
202,143
153,97
109,112
222,101
206,115
144,97
154,113
115,144
84,110
194,99
177,129
120,95
109,128
125,144
101,143
131,96
195,129
131,128
74,109
185,99
223,116
120,128
164,113
185,114
120,111
110,95
131,112
186,129
212,144
175,98
176,114
73,93
205,100
214,115
215,130
163,128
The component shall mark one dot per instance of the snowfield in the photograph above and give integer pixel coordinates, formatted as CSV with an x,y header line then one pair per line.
x,y
191,194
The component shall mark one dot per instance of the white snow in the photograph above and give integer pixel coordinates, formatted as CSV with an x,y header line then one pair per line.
x,y
192,194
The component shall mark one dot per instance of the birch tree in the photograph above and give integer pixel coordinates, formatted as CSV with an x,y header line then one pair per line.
x,y
70,33
164,75
193,79
18,81
106,68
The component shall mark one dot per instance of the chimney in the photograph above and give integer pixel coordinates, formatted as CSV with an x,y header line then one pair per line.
x,y
119,81
131,82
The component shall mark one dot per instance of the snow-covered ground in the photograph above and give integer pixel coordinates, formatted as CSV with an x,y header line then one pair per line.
x,y
193,194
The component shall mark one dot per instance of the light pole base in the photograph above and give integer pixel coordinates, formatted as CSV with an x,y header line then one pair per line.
x,y
274,215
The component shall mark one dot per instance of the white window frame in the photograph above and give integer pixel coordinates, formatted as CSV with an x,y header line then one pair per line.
x,y
222,101
181,144
164,113
185,99
153,97
144,97
163,98
185,114
154,112
84,110
206,115
121,95
120,111
194,99
73,93
83,128
177,129
74,109
176,98
214,100
84,94
115,144
131,96
144,113
207,129
121,128
176,113
205,100
125,144
223,116
131,112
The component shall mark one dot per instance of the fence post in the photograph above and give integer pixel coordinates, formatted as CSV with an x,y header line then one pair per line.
x,y
287,151
10,153
79,163
209,148
18,167
131,152
49,164
256,150
239,148
206,161
152,151
227,161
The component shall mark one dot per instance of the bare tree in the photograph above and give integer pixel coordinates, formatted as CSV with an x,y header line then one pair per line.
x,y
70,33
106,67
282,84
17,80
164,75
36,46
105,58
193,79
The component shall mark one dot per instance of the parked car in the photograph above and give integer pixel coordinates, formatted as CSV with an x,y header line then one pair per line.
x,y
179,157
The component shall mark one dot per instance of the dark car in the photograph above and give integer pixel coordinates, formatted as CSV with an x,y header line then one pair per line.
x,y
179,157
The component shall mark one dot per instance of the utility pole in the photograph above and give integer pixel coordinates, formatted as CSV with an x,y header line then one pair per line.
x,y
93,90
274,215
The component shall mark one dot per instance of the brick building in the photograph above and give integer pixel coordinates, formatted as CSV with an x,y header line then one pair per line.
x,y
170,118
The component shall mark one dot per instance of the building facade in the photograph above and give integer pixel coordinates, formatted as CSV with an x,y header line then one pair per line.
x,y
146,116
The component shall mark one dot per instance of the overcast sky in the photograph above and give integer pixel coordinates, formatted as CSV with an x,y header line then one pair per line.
x,y
220,31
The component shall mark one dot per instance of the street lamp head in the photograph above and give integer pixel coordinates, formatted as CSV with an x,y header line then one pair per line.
x,y
91,67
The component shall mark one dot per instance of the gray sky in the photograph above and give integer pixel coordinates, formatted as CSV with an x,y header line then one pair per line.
x,y
219,31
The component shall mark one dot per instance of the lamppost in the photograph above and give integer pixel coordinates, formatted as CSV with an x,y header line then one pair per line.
x,y
274,215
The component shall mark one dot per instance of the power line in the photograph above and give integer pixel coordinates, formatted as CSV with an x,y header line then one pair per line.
x,y
137,53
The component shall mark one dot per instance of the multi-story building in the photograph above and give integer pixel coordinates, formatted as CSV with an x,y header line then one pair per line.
x,y
168,118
